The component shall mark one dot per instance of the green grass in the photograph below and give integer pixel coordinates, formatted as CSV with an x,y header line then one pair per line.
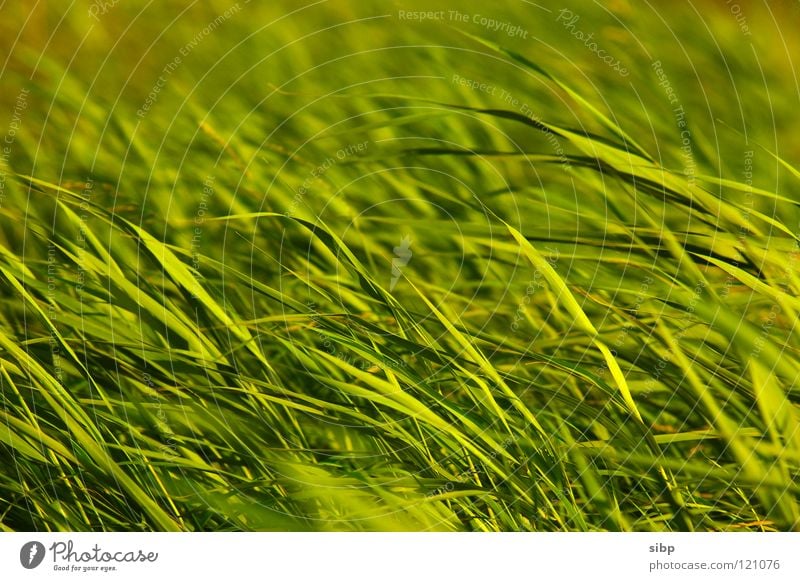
x,y
210,320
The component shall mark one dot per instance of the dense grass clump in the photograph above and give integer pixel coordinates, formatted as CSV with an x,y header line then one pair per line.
x,y
348,267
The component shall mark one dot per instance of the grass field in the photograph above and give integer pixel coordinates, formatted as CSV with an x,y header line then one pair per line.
x,y
399,266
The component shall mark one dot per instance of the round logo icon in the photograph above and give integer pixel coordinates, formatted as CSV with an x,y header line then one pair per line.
x,y
32,554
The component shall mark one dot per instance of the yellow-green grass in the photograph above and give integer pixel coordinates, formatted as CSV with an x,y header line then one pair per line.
x,y
210,320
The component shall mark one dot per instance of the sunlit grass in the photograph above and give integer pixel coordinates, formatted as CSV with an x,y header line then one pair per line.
x,y
373,298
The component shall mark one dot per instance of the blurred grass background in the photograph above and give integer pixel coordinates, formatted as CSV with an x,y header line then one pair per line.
x,y
595,329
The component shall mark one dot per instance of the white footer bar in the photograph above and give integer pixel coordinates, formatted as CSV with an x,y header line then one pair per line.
x,y
400,556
